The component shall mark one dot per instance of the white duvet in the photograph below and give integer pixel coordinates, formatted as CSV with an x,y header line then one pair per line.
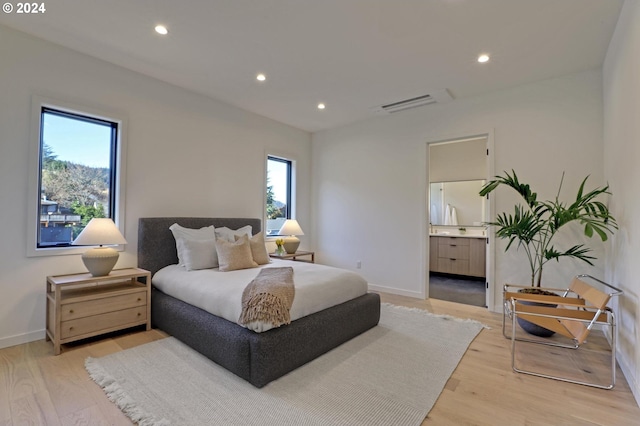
x,y
220,293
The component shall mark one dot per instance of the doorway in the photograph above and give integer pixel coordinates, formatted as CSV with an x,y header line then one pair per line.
x,y
459,262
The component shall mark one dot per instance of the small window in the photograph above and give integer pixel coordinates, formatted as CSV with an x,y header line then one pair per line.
x,y
279,202
76,168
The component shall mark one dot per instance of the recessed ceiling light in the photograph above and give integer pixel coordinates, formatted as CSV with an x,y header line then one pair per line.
x,y
320,105
261,77
483,58
161,29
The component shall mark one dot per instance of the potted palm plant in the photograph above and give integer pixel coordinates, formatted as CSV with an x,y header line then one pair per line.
x,y
534,224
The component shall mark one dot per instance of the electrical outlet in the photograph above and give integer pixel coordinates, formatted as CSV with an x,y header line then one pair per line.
x,y
359,264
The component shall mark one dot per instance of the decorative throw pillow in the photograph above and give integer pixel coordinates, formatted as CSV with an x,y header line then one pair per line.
x,y
229,234
182,234
258,249
236,255
199,254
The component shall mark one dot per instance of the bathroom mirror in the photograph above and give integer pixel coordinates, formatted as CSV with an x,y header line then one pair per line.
x,y
457,203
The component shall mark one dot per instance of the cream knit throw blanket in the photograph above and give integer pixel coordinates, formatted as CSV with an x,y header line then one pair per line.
x,y
268,298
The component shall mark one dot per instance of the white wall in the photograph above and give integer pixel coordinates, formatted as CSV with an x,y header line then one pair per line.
x,y
369,178
621,158
187,155
458,161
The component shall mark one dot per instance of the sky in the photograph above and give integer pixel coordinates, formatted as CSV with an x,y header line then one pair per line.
x,y
77,141
278,178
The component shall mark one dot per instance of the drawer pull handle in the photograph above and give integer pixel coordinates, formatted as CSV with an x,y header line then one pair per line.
x,y
139,299
70,311
70,328
451,258
139,314
453,245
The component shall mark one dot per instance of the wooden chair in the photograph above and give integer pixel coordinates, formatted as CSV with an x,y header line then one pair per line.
x,y
571,313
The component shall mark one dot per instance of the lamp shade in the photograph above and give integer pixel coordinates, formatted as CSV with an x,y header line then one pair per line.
x,y
291,227
98,232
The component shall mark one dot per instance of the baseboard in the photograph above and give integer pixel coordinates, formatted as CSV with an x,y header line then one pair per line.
x,y
19,339
392,290
631,379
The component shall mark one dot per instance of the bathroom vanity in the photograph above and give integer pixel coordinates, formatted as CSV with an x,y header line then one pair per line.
x,y
458,254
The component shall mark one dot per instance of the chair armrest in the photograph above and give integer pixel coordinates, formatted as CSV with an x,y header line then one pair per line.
x,y
507,287
615,290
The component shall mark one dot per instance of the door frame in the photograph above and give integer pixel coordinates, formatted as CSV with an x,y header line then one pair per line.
x,y
490,206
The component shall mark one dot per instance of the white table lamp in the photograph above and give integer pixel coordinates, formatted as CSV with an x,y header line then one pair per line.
x,y
98,232
290,228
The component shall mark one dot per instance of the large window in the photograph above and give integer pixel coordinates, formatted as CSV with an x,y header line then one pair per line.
x,y
279,184
78,173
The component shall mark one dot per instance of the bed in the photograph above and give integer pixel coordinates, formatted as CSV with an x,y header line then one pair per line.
x,y
258,358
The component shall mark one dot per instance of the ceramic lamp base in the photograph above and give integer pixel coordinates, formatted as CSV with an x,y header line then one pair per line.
x,y
291,244
100,260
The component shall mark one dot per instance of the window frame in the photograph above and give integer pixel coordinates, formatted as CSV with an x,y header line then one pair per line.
x,y
291,190
38,104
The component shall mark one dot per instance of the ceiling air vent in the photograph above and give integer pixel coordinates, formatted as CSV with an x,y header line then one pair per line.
x,y
418,101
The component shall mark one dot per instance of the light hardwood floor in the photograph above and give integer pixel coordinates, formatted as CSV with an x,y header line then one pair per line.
x,y
38,388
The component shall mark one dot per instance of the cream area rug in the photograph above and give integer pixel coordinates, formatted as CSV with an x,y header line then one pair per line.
x,y
389,375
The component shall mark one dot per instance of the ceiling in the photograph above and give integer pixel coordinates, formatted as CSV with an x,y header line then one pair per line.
x,y
353,55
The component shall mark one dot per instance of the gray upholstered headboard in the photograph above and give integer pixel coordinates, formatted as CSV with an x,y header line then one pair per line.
x,y
157,247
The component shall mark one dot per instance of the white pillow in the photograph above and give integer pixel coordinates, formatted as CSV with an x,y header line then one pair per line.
x,y
199,254
229,235
181,234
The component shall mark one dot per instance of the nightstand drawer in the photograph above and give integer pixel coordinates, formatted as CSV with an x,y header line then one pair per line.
x,y
106,321
77,310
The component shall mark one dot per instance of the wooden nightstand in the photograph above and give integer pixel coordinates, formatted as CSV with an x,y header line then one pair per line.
x,y
294,256
81,305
